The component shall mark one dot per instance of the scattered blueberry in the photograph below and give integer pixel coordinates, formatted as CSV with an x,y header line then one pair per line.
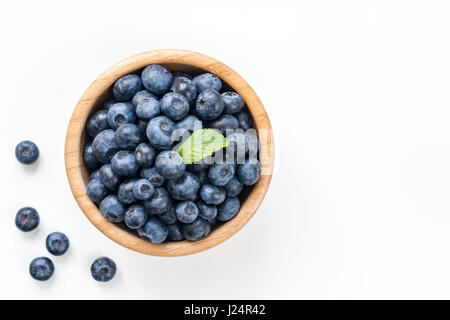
x,y
96,190
97,122
158,203
124,163
249,172
170,164
143,189
153,176
57,243
103,269
228,209
232,102
129,135
112,209
174,105
196,230
209,104
207,81
145,155
159,132
104,146
121,113
157,79
212,194
41,268
135,216
186,211
27,219
154,230
27,152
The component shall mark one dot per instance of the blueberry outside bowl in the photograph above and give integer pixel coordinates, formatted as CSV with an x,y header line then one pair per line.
x,y
100,90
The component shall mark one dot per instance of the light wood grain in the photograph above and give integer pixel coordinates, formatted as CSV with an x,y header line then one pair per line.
x,y
97,92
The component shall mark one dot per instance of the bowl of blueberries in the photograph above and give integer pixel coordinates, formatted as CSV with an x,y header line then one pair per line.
x,y
169,152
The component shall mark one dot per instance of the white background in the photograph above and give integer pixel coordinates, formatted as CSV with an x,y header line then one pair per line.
x,y
358,96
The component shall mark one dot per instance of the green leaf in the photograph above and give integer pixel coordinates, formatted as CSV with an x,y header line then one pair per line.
x,y
200,144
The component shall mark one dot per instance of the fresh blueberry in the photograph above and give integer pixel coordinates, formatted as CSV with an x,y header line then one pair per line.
x,y
109,178
27,152
57,243
212,194
175,232
141,95
129,135
121,113
124,163
209,104
170,164
185,87
207,81
190,122
145,155
207,212
174,105
135,216
96,190
142,124
125,192
237,147
228,209
27,219
103,269
104,146
159,132
148,108
220,174
232,102
203,176
108,104
196,230
126,87
143,189
41,268
153,176
154,230
112,209
197,167
95,175
184,188
249,172
234,187
157,79
245,120
158,203
169,217
181,74
225,124
97,122
89,158
186,211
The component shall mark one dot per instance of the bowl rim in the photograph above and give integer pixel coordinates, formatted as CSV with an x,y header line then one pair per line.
x,y
77,174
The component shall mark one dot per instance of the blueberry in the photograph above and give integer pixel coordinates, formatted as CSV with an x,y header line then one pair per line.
x,y
203,176
181,74
145,155
234,187
141,95
209,104
185,87
190,122
148,108
158,203
232,102
249,172
135,216
57,243
109,178
108,104
157,79
237,147
174,105
220,174
89,158
112,209
142,124
104,146
196,230
207,81
184,188
159,132
154,230
228,209
225,124
125,192
207,212
128,136
143,189
27,152
186,211
126,87
245,120
27,219
175,232
95,175
96,190
170,164
103,269
41,268
169,217
153,176
97,122
212,194
121,113
124,163
197,167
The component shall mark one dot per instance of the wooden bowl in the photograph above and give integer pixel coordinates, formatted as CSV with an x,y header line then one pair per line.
x,y
100,90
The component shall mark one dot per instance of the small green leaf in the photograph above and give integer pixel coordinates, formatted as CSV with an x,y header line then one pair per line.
x,y
200,144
